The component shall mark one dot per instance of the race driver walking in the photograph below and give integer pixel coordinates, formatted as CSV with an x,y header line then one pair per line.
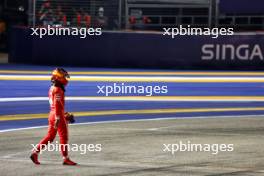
x,y
58,119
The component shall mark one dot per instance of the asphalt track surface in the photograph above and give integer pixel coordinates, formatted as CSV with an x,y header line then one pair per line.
x,y
200,107
136,149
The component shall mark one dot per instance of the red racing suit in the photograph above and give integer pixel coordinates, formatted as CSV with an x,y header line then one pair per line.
x,y
57,102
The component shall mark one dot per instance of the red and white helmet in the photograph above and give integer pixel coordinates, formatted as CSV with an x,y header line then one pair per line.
x,y
60,75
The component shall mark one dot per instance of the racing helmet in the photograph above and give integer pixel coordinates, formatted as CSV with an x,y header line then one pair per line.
x,y
59,75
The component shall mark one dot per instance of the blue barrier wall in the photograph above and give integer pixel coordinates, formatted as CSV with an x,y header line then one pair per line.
x,y
241,6
139,50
